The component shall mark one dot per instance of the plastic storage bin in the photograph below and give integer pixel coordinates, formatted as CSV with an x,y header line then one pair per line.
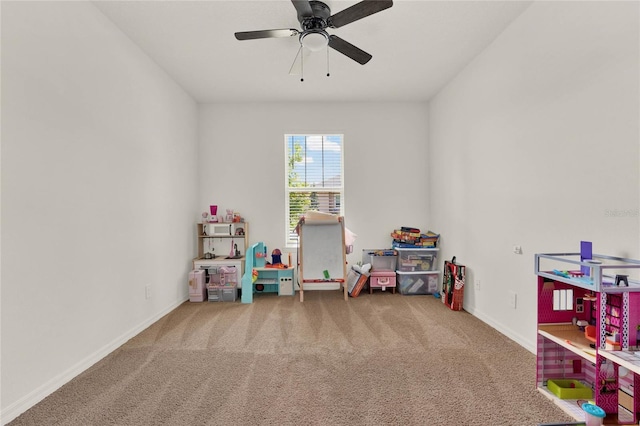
x,y
417,259
383,259
215,277
222,293
410,283
384,263
230,274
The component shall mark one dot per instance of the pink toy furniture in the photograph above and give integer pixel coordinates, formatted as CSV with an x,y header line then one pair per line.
x,y
588,330
382,279
197,287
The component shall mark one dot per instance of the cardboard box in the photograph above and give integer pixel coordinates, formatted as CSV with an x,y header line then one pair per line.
x,y
355,282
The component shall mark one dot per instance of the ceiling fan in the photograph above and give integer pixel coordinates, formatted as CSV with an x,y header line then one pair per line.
x,y
315,17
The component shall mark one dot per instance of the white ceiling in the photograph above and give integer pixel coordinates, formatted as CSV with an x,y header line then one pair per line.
x,y
417,47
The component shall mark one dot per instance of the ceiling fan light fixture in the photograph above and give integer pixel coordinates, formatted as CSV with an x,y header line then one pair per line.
x,y
314,40
315,17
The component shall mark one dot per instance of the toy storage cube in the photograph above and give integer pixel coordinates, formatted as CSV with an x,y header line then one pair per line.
x,y
382,279
197,288
410,283
417,259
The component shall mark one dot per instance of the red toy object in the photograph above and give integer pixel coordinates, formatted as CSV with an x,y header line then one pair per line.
x,y
277,266
453,284
590,333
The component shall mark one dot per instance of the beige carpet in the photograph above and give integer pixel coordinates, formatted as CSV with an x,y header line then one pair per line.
x,y
376,359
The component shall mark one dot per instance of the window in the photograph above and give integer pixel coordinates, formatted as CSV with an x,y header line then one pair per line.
x,y
563,300
314,178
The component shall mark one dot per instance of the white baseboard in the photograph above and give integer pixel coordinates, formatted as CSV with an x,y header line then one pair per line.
x,y
501,329
32,398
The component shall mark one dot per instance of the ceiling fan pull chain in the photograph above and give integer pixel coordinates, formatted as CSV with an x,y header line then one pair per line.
x,y
301,63
328,74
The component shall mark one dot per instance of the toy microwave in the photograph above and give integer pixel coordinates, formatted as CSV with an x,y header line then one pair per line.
x,y
226,229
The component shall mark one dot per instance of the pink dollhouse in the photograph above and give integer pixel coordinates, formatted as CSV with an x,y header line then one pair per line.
x,y
587,339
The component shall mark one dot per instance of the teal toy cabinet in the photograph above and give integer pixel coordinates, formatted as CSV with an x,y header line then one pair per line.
x,y
267,279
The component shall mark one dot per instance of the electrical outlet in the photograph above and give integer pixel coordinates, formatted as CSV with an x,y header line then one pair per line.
x,y
147,291
513,297
517,249
478,285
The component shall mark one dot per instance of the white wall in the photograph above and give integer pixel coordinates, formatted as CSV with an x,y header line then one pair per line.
x,y
533,144
242,164
536,144
99,194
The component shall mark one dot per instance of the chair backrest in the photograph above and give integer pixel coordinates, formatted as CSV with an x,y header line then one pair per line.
x,y
250,263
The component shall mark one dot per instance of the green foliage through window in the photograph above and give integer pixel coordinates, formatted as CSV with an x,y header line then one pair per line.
x,y
314,177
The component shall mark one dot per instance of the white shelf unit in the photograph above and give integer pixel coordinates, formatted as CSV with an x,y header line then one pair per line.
x,y
219,239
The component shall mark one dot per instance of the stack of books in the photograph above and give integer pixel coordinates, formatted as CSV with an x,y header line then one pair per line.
x,y
407,237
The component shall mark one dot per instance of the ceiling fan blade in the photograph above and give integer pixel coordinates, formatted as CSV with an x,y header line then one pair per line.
x,y
349,49
252,35
358,11
304,9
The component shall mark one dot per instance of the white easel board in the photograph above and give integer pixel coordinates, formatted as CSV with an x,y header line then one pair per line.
x,y
322,252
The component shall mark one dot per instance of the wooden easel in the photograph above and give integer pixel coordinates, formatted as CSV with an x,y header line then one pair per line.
x,y
322,254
